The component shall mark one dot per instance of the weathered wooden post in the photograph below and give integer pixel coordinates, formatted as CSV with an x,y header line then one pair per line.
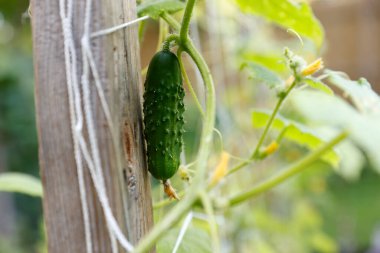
x,y
128,187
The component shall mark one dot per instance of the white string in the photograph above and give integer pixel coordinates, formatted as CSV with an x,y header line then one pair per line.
x,y
99,184
87,51
81,150
99,179
103,199
182,232
96,174
69,50
118,27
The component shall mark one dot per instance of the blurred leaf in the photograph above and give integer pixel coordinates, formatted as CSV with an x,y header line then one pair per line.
x,y
352,209
195,240
306,216
271,61
267,222
331,110
155,8
262,246
21,183
316,84
352,160
262,74
302,222
295,132
360,92
288,14
322,243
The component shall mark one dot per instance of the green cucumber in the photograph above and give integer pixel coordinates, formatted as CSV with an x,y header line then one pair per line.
x,y
163,114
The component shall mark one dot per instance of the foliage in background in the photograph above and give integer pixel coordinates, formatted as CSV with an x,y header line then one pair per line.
x,y
155,8
294,15
20,183
18,139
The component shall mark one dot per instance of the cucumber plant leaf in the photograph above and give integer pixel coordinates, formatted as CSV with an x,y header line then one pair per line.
x,y
288,14
316,84
154,8
295,132
352,160
270,60
21,183
360,92
322,109
262,74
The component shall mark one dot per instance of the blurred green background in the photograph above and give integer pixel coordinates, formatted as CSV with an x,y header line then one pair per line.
x,y
318,211
21,215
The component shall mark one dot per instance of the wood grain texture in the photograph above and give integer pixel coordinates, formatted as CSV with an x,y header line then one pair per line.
x,y
124,165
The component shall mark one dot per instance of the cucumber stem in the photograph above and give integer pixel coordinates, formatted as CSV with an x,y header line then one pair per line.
x,y
168,41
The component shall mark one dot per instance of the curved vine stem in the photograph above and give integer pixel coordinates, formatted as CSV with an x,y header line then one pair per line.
x,y
168,40
172,22
209,122
184,33
188,83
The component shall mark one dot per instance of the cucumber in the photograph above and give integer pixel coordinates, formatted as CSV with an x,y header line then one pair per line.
x,y
163,115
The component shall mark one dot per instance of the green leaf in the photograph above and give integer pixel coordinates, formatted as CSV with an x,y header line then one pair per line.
x,y
295,132
272,61
262,74
297,16
360,92
155,8
195,240
352,159
316,84
21,183
334,111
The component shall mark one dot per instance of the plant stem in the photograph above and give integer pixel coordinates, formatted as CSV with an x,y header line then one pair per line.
x,y
207,204
255,153
239,166
171,21
159,230
189,86
270,121
186,20
287,172
168,40
209,122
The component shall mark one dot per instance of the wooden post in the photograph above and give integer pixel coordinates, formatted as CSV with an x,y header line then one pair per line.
x,y
127,182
